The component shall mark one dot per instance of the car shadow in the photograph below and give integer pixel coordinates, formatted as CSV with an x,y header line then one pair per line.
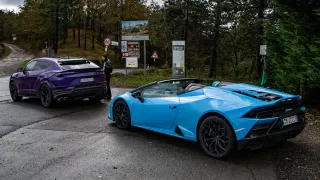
x,y
63,104
249,156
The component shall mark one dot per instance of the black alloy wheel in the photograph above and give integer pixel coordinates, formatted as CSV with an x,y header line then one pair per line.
x,y
216,137
46,96
121,114
14,92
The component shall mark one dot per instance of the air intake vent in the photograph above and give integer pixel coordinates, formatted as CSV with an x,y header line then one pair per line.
x,y
178,131
264,96
282,107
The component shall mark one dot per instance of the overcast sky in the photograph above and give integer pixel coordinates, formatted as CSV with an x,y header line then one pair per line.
x,y
13,4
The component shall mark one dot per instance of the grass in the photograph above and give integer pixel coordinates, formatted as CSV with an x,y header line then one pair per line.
x,y
23,63
7,51
136,78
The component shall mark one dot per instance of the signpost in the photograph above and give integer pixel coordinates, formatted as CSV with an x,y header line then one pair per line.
x,y
124,46
114,43
131,62
107,42
132,49
178,59
263,53
155,56
14,37
135,31
263,50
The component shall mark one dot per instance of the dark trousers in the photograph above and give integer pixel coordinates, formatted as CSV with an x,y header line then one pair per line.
x,y
108,93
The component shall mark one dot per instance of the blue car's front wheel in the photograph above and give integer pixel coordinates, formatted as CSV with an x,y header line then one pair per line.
x,y
121,114
216,137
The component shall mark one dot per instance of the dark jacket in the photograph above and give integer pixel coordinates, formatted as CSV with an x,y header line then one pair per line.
x,y
108,67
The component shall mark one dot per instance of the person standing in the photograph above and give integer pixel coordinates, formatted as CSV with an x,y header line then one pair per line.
x,y
107,67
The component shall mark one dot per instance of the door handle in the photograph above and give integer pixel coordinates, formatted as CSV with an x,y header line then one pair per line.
x,y
172,107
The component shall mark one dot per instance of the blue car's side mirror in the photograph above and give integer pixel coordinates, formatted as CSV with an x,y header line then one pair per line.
x,y
215,83
138,96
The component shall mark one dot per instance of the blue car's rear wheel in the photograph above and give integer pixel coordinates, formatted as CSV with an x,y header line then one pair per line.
x,y
216,137
121,114
14,92
46,96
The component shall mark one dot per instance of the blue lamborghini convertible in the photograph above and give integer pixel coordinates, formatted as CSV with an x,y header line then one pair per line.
x,y
223,117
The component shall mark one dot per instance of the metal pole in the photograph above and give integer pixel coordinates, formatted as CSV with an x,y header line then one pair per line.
x,y
145,59
126,66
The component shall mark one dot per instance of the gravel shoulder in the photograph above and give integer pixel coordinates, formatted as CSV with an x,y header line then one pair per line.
x,y
9,64
299,159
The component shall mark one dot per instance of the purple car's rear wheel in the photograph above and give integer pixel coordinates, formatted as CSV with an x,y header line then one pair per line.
x,y
46,96
121,114
216,137
14,92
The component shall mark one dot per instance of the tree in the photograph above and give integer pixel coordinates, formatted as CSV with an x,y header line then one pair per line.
x,y
293,60
213,63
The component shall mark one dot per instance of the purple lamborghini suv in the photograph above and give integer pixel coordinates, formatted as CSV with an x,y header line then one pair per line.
x,y
58,79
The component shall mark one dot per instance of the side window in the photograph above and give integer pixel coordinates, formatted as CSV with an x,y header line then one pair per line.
x,y
41,66
167,89
30,66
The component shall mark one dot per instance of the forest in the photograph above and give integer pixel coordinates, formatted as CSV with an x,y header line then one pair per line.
x,y
223,37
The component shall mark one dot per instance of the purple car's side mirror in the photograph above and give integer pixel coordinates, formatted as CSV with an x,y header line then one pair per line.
x,y
20,69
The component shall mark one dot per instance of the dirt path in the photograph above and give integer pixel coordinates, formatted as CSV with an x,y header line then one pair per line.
x,y
9,64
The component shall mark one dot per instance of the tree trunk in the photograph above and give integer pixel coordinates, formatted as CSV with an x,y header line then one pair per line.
x,y
65,31
79,36
213,63
100,29
187,66
260,36
74,34
93,33
57,29
85,34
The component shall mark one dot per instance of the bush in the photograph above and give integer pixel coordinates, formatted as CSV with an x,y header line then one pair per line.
x,y
25,62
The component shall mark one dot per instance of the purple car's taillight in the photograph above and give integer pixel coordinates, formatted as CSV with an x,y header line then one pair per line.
x,y
63,73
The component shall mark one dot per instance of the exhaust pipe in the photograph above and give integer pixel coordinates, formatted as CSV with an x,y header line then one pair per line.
x,y
62,98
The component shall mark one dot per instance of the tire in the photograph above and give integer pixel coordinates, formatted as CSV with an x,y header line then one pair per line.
x,y
216,137
46,96
14,92
121,114
96,99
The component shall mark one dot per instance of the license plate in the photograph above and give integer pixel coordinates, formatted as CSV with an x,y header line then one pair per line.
x,y
86,79
290,120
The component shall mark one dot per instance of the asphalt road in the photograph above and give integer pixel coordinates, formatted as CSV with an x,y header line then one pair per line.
x,y
77,141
